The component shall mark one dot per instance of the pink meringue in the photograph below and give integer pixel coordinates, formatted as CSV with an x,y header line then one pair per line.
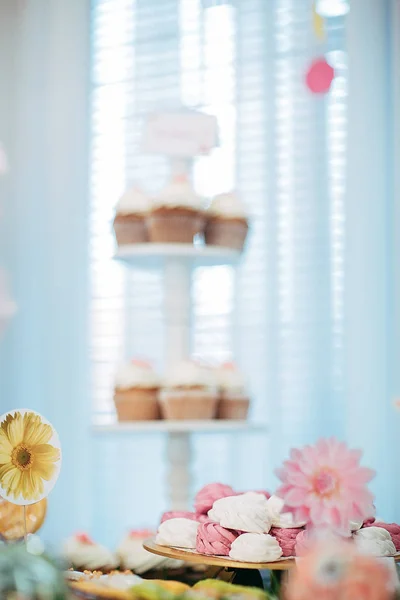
x,y
184,514
392,528
206,497
214,540
286,539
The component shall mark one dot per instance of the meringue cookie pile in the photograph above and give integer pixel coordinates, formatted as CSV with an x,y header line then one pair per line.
x,y
252,527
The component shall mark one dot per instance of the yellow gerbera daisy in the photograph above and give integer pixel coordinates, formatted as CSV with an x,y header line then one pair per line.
x,y
26,457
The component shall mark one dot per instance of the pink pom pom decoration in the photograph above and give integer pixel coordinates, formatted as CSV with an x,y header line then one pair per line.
x,y
206,497
214,540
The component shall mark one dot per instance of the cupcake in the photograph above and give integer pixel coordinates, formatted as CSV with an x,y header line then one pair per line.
x,y
227,224
136,392
189,392
233,398
177,213
130,218
82,553
138,560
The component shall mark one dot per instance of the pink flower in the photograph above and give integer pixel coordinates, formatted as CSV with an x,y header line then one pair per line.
x,y
325,485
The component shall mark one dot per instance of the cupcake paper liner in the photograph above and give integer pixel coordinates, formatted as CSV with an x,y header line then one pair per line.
x,y
130,229
229,233
174,225
137,404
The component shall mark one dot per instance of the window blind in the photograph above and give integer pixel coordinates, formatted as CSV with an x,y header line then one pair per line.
x,y
281,315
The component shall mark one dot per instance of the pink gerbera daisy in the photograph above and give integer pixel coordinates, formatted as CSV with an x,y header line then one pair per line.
x,y
325,485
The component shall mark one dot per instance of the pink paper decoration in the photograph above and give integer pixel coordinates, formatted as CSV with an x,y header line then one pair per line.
x,y
319,76
325,485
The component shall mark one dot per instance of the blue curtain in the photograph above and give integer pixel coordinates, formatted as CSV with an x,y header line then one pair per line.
x,y
44,355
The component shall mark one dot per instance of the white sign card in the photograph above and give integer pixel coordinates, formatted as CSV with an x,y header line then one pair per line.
x,y
180,134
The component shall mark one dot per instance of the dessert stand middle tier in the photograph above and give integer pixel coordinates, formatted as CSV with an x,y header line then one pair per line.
x,y
177,262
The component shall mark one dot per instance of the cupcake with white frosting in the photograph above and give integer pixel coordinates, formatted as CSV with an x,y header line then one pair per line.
x,y
189,392
82,553
130,219
234,401
227,222
177,213
136,392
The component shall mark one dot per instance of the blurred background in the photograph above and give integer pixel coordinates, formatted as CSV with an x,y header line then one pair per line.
x,y
312,314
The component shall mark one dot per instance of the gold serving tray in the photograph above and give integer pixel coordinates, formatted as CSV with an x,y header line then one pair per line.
x,y
215,561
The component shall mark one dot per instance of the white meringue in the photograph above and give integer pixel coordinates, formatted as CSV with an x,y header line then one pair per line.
x,y
280,519
177,532
374,541
135,558
255,547
83,553
246,512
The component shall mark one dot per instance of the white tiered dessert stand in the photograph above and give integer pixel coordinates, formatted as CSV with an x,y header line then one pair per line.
x,y
177,262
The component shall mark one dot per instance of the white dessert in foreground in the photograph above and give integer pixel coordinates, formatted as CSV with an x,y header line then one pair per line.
x,y
83,553
180,533
135,558
374,541
255,547
247,512
119,581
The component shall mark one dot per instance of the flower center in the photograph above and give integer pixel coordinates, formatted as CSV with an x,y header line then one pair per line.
x,y
21,457
325,483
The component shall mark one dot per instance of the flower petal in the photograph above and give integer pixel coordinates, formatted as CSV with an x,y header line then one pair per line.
x,y
45,453
36,432
15,431
296,496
